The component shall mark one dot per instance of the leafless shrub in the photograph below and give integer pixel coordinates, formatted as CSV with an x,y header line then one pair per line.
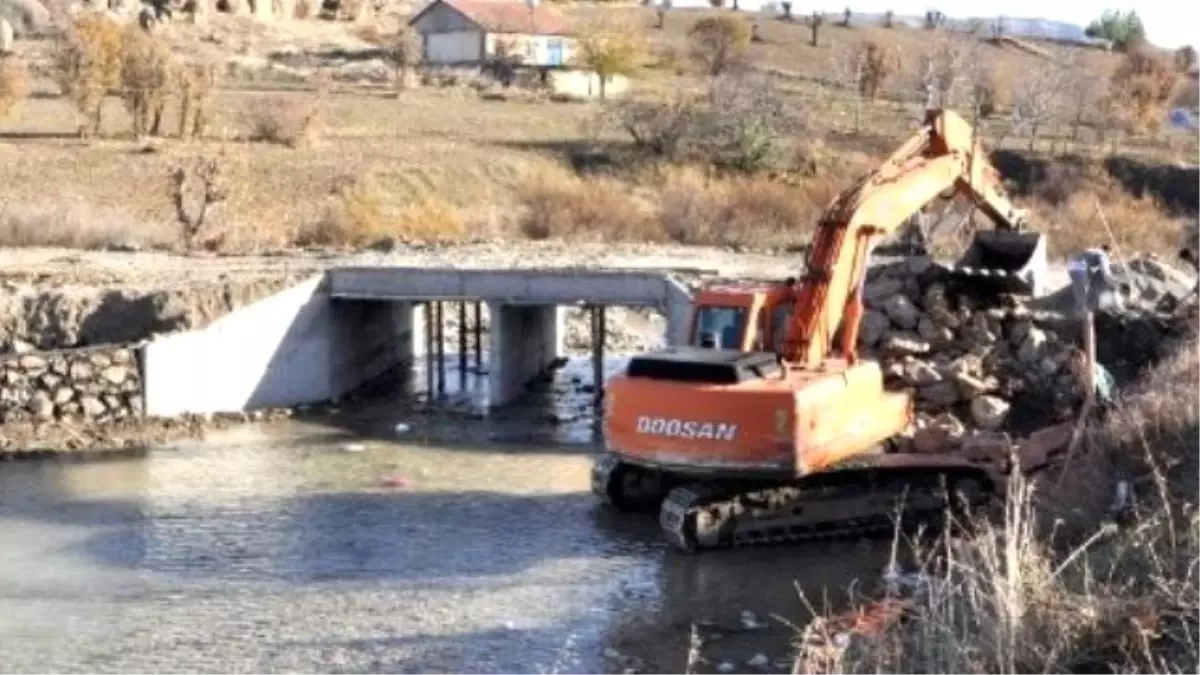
x,y
744,122
739,125
719,43
286,120
657,126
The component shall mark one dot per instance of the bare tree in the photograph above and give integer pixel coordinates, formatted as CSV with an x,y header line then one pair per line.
x,y
1083,87
815,21
939,73
719,43
1037,99
211,191
849,66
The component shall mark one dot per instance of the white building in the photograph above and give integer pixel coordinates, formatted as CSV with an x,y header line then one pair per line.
x,y
469,32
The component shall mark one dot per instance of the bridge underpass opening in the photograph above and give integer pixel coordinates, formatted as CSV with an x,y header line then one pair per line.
x,y
483,355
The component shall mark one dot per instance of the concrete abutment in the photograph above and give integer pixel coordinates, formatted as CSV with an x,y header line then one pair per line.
x,y
298,347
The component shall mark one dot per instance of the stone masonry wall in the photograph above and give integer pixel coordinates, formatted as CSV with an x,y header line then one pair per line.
x,y
98,384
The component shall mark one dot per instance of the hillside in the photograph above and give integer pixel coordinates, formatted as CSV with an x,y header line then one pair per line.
x,y
319,148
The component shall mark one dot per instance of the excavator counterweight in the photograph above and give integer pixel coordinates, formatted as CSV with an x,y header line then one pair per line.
x,y
767,426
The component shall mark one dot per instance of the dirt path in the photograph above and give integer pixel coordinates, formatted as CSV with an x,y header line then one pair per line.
x,y
62,268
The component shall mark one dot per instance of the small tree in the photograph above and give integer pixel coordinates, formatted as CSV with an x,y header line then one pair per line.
x,y
1185,58
815,21
719,42
147,71
1083,89
660,13
87,65
196,84
846,16
939,74
934,19
889,19
786,6
878,64
1143,84
210,193
1124,30
998,28
404,53
610,47
1037,97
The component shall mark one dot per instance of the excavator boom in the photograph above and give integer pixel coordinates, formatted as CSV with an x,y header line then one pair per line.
x,y
942,157
760,428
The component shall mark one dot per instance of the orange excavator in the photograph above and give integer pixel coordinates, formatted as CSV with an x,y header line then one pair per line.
x,y
767,426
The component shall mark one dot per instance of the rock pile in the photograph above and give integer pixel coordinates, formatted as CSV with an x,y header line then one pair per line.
x,y
974,364
99,384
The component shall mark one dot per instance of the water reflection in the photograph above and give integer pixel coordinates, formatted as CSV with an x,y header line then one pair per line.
x,y
349,547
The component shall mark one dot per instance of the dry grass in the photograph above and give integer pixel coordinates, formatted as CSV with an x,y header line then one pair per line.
x,y
1124,599
14,84
1079,207
559,204
359,214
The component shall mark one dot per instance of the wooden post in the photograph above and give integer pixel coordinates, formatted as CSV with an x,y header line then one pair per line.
x,y
477,327
1089,393
462,346
441,349
1089,349
598,354
429,350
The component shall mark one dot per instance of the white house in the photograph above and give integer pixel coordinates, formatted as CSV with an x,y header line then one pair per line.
x,y
464,33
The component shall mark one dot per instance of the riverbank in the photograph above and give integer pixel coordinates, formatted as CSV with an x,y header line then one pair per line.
x,y
1076,574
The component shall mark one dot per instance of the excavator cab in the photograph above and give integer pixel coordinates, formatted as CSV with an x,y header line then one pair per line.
x,y
742,317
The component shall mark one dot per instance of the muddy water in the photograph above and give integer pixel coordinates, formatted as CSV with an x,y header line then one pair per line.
x,y
379,541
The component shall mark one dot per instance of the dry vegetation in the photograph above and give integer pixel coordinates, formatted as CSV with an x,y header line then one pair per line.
x,y
1022,595
737,132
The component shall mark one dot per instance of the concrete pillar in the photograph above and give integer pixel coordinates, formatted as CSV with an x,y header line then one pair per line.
x,y
525,340
678,311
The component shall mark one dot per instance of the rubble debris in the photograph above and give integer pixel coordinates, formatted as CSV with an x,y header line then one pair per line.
x,y
985,365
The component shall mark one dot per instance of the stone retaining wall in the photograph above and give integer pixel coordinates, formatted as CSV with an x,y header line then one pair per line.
x,y
97,384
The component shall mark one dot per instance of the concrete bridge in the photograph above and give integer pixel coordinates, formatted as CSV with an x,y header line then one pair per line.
x,y
326,336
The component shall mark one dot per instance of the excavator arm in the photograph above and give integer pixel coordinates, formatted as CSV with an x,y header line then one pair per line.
x,y
943,158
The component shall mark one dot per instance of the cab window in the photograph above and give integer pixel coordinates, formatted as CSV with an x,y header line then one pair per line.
x,y
779,322
724,323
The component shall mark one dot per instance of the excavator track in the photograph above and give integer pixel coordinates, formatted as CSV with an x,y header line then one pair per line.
x,y
829,505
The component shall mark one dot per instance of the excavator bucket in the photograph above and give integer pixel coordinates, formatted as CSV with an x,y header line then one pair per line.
x,y
1005,261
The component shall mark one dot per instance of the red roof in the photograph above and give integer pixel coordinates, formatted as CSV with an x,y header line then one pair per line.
x,y
506,16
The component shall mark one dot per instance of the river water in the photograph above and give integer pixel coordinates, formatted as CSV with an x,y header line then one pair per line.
x,y
377,540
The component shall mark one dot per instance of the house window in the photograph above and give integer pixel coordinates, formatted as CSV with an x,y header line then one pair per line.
x,y
554,52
